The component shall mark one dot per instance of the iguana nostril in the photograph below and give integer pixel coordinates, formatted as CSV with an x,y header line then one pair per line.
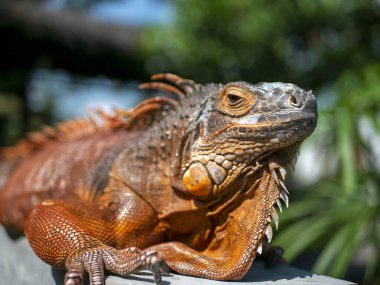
x,y
295,101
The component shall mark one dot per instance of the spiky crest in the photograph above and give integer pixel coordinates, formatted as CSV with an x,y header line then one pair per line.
x,y
99,120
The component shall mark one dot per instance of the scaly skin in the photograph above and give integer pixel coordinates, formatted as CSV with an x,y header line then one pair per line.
x,y
190,183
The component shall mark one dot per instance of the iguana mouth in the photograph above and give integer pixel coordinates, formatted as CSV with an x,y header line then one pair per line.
x,y
245,129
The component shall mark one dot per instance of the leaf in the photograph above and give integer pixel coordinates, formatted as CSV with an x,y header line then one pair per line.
x,y
332,250
300,209
337,254
346,150
297,237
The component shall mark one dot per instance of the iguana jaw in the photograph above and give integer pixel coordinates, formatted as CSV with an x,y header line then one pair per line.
x,y
210,172
215,175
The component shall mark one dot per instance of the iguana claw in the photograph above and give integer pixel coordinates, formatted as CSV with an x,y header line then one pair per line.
x,y
75,275
123,262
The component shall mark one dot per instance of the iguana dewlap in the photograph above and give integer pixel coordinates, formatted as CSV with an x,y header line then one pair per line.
x,y
188,181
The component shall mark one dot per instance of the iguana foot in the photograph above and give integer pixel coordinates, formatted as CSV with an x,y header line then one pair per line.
x,y
123,262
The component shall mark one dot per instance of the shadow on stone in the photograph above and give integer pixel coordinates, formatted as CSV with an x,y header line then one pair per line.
x,y
260,272
143,277
14,235
58,275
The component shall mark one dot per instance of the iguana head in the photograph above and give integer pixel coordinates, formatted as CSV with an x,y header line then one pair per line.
x,y
230,131
243,126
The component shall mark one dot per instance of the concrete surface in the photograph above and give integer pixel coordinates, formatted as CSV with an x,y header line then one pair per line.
x,y
19,266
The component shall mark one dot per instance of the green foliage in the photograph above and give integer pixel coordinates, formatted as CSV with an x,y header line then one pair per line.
x,y
329,46
308,42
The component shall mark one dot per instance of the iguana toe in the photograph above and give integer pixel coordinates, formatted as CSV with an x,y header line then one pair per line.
x,y
75,274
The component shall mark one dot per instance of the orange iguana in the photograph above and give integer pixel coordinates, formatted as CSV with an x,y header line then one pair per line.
x,y
188,182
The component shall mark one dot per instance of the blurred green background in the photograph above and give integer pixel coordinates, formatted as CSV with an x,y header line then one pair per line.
x,y
59,57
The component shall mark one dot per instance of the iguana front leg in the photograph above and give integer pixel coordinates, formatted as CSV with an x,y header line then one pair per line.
x,y
236,241
96,236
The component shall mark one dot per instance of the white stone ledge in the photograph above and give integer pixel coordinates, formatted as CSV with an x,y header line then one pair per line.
x,y
19,266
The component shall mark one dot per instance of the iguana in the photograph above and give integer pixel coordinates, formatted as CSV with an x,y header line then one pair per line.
x,y
189,181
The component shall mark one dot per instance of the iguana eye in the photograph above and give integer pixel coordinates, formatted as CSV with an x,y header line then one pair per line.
x,y
235,101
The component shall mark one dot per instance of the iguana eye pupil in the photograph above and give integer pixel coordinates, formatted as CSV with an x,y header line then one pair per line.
x,y
234,99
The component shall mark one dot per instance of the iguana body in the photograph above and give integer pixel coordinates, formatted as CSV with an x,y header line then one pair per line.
x,y
191,181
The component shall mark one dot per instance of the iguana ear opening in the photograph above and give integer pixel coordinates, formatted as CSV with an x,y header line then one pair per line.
x,y
197,181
